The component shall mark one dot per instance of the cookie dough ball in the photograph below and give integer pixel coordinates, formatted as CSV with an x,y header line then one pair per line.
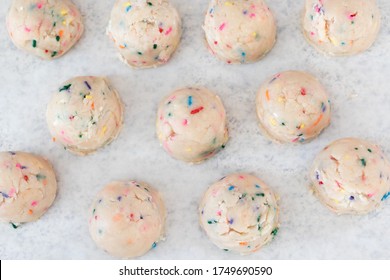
x,y
47,29
351,176
146,33
292,107
127,219
239,213
28,187
191,124
85,114
339,27
239,31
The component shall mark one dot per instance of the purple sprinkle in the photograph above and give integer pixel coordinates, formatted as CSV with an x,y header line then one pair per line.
x,y
4,195
12,153
88,86
231,221
351,197
119,198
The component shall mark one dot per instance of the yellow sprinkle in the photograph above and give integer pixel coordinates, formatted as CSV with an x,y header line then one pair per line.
x,y
127,4
104,130
301,126
64,22
188,150
64,12
333,41
281,99
254,34
228,3
88,96
273,122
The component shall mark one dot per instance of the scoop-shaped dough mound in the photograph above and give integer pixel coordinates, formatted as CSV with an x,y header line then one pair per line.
x,y
45,28
127,219
239,31
85,114
28,187
293,107
343,27
351,176
239,213
191,124
146,33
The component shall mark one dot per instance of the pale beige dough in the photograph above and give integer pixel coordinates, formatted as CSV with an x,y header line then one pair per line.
x,y
85,114
351,176
191,124
45,28
127,219
293,107
28,187
341,27
146,33
239,31
239,213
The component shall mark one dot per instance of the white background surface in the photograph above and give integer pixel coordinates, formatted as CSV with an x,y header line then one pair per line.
x,y
358,87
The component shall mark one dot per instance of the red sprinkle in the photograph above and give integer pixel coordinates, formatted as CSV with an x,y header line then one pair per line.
x,y
25,177
303,91
197,110
160,29
321,183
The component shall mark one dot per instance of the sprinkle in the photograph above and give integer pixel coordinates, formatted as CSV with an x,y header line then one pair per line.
x,y
318,120
40,177
119,198
66,87
351,197
275,231
323,107
161,30
260,194
226,250
139,53
363,161
257,186
30,212
54,54
189,100
320,182
231,188
80,135
64,12
87,84
4,195
168,31
231,221
13,225
25,177
197,110
154,245
18,165
212,222
258,218
369,150
34,203
34,43
104,130
243,243
351,16
267,95
58,38
385,196
155,46
222,26
252,15
303,91
185,122
150,3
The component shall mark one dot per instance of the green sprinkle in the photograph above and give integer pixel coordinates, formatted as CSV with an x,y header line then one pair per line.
x,y
258,227
13,225
93,212
369,150
275,232
66,87
58,38
226,250
356,149
140,53
243,195
53,54
80,135
260,194
40,177
155,46
150,3
284,124
169,114
223,146
364,163
258,218
34,43
54,24
212,222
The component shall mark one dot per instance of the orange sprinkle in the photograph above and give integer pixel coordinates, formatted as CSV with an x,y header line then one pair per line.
x,y
318,120
121,46
44,182
61,33
30,211
243,243
117,217
54,139
267,95
93,106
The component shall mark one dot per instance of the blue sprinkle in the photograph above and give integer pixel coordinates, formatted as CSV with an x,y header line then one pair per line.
x,y
257,186
88,86
231,188
351,197
385,196
211,10
231,221
243,54
119,198
189,100
4,195
128,8
323,107
154,245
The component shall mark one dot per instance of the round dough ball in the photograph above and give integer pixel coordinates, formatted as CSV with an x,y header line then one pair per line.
x,y
28,187
239,31
127,219
351,176
85,114
191,124
292,107
146,33
339,27
239,213
47,29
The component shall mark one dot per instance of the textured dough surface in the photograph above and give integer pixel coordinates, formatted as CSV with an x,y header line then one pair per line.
x,y
341,27
127,219
292,107
85,114
146,33
45,28
28,187
239,213
239,31
191,124
351,176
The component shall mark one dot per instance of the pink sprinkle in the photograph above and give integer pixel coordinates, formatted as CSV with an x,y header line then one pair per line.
x,y
312,33
185,122
27,29
168,31
219,212
295,140
161,118
18,165
39,5
222,26
62,132
241,177
370,195
252,15
12,192
34,203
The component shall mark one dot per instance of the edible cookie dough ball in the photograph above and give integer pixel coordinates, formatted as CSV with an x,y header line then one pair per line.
x,y
239,213
85,114
191,124
45,28
292,107
127,219
239,31
351,176
341,27
28,187
146,33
